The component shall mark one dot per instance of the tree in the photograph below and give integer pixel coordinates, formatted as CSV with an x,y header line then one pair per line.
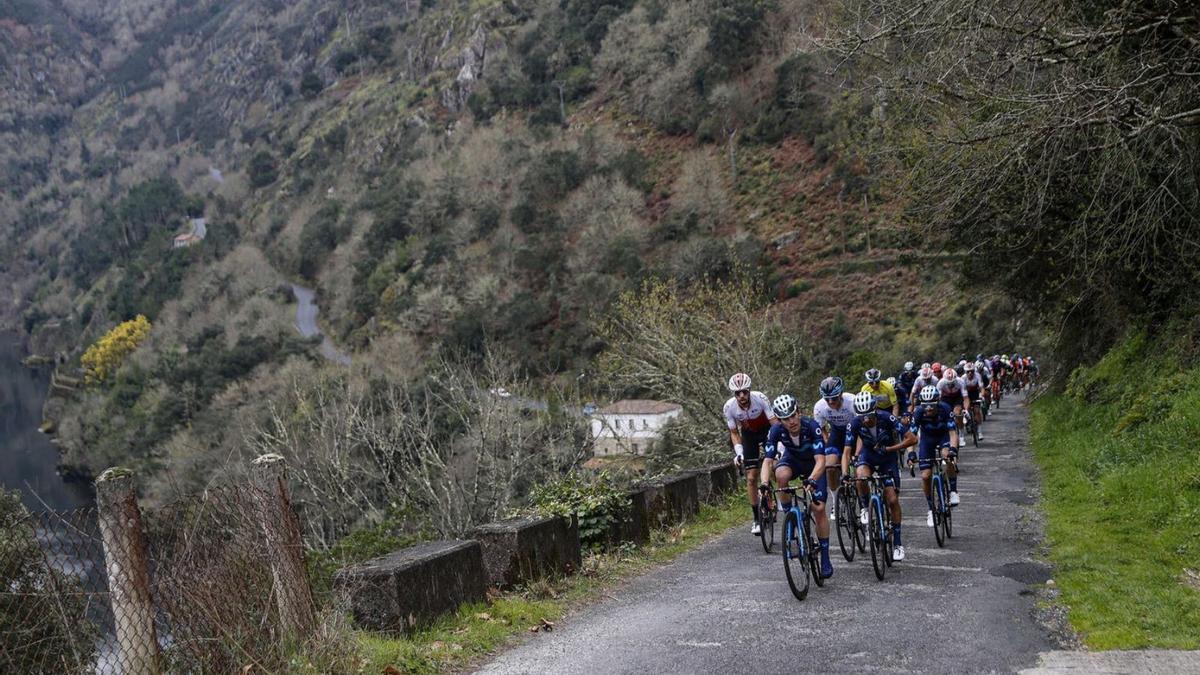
x,y
104,357
262,169
1056,140
310,85
682,346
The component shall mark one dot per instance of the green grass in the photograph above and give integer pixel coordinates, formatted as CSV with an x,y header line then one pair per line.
x,y
457,641
1121,489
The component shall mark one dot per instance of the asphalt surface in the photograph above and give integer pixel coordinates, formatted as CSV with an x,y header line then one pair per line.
x,y
726,607
306,323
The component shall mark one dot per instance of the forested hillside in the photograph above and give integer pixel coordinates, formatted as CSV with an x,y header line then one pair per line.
x,y
447,175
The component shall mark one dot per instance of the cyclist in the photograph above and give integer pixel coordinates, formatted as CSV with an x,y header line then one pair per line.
x,y
938,434
952,388
925,379
795,448
875,436
884,393
975,384
904,385
749,418
937,370
833,413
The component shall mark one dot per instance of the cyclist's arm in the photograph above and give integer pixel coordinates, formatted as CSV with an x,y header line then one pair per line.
x,y
768,470
818,467
735,437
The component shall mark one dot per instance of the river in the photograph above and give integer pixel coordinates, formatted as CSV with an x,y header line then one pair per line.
x,y
28,460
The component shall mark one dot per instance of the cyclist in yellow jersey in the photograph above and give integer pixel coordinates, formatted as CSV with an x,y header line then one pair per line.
x,y
884,392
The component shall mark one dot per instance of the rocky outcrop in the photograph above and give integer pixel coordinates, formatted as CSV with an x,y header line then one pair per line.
x,y
470,71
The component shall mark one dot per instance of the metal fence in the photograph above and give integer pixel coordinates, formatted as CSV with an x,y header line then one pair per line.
x,y
213,583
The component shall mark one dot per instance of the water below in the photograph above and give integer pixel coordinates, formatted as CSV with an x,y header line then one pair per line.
x,y
28,460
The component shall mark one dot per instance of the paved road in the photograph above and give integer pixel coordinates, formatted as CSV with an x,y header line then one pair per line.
x,y
708,611
306,323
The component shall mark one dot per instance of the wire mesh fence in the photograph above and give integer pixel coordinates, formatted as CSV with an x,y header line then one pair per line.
x,y
212,583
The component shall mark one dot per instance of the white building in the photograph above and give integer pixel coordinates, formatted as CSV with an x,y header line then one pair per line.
x,y
630,426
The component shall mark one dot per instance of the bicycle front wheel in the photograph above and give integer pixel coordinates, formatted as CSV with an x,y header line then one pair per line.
x,y
766,523
794,563
939,510
874,532
847,519
814,550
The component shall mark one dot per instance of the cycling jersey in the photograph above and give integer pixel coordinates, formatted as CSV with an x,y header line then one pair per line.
x,y
919,384
838,420
885,395
755,418
904,385
935,421
974,385
887,431
952,391
799,453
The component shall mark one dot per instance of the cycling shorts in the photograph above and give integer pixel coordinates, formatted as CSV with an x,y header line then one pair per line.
x,y
885,464
928,450
953,400
752,444
975,395
820,493
837,439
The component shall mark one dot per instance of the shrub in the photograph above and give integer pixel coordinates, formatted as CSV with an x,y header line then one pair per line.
x,y
104,357
599,504
262,170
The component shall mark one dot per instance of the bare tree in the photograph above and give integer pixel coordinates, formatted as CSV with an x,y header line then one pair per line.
x,y
1059,137
447,452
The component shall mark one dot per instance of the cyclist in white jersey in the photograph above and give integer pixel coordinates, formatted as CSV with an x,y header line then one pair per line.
x,y
749,417
926,378
833,413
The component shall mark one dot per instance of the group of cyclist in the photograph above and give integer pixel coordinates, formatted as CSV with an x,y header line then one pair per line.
x,y
921,410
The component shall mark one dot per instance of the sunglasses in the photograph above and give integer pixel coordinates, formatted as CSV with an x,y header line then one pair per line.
x,y
742,392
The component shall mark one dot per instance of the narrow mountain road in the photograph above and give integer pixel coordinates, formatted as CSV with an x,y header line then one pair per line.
x,y
726,607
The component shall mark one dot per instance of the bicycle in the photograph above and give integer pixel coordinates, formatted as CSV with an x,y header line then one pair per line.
x,y
851,533
971,425
766,518
800,547
939,489
879,526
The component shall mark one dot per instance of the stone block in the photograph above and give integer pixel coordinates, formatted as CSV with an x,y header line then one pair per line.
x,y
667,501
522,549
723,478
411,587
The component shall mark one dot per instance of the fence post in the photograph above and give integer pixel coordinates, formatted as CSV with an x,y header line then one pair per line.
x,y
284,547
125,563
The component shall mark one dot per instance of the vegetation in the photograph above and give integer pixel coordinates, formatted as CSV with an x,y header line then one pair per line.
x,y
39,630
1121,498
104,357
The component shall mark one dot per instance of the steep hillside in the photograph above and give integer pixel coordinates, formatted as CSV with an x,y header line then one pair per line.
x,y
446,174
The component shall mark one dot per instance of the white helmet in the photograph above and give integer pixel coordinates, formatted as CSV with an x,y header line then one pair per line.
x,y
891,381
969,367
739,382
864,402
908,366
873,375
949,374
925,365
929,394
926,372
784,406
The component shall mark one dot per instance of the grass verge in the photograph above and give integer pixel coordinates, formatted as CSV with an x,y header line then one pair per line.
x,y
477,630
1121,490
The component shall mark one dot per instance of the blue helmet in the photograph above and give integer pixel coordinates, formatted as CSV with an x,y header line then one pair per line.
x,y
832,386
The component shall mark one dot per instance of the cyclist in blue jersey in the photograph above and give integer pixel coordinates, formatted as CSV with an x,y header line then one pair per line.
x,y
904,385
795,448
874,437
938,434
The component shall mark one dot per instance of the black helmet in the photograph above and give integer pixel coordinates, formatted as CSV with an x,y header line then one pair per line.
x,y
832,386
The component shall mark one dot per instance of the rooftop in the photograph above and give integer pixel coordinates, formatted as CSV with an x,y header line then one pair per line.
x,y
634,406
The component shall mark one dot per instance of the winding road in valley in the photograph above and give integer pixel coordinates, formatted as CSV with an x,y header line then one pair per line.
x,y
967,608
306,323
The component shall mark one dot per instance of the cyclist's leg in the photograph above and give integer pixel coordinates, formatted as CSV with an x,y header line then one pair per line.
x,y
951,466
891,495
925,457
783,474
820,496
752,449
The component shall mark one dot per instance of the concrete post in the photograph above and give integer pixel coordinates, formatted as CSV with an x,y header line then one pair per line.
x,y
284,546
125,563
